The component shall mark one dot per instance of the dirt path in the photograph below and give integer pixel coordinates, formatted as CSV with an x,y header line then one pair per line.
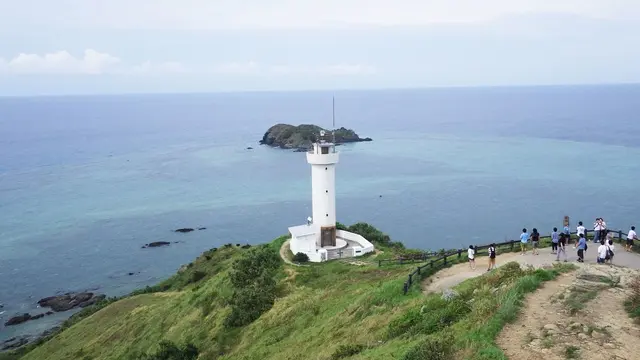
x,y
456,274
283,254
546,328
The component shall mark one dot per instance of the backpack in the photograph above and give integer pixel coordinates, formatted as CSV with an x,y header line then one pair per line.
x,y
609,253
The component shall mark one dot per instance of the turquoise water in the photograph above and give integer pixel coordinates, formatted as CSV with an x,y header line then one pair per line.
x,y
86,181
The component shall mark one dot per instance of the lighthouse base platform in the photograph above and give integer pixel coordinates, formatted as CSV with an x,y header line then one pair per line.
x,y
306,239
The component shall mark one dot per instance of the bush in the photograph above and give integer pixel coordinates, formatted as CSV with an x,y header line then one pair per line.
x,y
169,351
252,278
632,303
345,351
300,258
197,276
433,348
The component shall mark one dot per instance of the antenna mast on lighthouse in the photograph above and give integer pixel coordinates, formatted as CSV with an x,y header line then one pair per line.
x,y
333,129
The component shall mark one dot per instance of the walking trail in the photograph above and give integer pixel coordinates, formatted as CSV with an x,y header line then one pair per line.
x,y
456,274
579,315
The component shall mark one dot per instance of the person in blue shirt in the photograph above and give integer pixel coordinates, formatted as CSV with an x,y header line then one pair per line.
x,y
567,232
582,245
555,238
524,239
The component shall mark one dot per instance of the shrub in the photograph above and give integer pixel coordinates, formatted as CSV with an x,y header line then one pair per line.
x,y
169,351
252,277
438,347
300,258
345,351
197,276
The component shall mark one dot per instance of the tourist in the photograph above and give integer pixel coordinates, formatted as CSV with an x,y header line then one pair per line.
x,y
602,253
524,239
492,257
603,229
597,228
630,237
562,243
535,240
555,238
472,257
610,252
567,232
580,230
582,245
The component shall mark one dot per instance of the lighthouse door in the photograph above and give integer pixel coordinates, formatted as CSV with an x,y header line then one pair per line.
x,y
328,236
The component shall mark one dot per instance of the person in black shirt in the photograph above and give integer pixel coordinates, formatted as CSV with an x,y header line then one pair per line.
x,y
492,257
535,240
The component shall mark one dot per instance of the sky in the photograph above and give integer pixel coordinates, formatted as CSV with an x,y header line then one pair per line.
x,y
54,47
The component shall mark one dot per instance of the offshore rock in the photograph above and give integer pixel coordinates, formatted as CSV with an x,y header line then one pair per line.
x,y
301,137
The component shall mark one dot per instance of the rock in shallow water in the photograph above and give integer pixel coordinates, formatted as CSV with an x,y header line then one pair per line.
x,y
69,301
184,230
156,244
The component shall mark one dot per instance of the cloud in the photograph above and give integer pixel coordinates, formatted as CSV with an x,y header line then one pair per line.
x,y
60,62
97,63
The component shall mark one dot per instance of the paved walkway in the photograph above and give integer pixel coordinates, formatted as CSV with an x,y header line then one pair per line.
x,y
456,274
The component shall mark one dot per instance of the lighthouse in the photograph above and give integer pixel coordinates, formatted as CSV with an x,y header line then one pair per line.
x,y
323,158
319,238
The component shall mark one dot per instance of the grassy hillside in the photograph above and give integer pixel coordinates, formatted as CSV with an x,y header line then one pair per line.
x,y
340,309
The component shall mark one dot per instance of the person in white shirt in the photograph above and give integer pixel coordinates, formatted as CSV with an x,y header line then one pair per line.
x,y
630,237
602,252
610,253
472,257
597,229
580,230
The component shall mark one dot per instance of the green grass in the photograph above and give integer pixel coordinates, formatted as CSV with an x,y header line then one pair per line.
x,y
632,303
326,311
571,352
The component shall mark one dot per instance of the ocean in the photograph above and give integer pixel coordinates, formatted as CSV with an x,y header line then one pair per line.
x,y
86,181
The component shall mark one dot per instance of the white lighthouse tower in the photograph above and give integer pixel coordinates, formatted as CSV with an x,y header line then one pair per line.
x,y
319,238
323,159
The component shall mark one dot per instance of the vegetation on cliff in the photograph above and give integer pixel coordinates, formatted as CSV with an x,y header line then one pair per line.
x,y
302,136
235,303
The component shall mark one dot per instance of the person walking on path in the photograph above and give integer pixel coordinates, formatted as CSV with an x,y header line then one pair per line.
x,y
492,257
630,237
555,238
567,233
535,241
471,253
581,230
562,243
524,239
582,245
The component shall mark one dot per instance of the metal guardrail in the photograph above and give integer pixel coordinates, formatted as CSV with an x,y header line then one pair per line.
x,y
442,260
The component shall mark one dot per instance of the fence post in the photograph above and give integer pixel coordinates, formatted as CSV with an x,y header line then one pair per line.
x,y
418,270
459,253
431,264
410,279
405,288
445,259
512,243
619,235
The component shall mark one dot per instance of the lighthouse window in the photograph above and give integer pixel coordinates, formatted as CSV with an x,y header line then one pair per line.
x,y
325,150
327,191
326,168
327,214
